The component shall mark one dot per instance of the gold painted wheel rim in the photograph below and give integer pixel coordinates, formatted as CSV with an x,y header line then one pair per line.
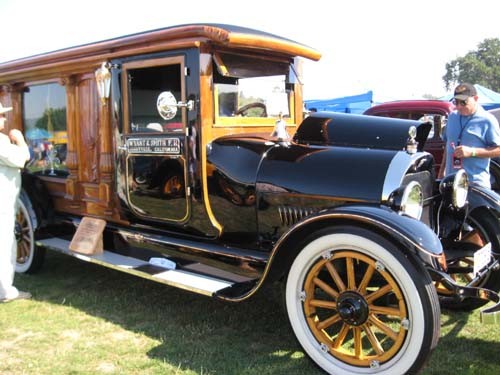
x,y
375,329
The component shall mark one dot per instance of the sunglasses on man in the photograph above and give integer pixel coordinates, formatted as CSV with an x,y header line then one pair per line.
x,y
460,102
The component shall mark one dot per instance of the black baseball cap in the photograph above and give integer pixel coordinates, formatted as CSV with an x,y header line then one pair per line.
x,y
464,91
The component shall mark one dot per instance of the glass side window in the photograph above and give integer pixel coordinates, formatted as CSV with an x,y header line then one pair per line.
x,y
438,124
252,91
145,85
45,127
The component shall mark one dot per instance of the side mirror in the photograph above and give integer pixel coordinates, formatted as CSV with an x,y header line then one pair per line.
x,y
167,105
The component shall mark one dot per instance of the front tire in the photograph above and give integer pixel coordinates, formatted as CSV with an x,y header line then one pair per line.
x,y
29,257
358,305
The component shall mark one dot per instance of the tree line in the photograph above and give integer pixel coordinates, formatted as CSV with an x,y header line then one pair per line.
x,y
481,66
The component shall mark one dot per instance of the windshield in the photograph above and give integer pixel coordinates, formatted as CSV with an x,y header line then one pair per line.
x,y
250,91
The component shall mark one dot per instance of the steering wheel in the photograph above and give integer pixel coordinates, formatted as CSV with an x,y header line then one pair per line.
x,y
243,111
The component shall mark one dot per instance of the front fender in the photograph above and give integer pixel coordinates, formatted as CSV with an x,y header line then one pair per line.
x,y
412,236
479,196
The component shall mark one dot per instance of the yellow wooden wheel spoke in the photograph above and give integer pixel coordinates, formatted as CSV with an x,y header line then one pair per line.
x,y
384,310
325,304
335,276
366,279
474,237
341,336
379,293
388,331
358,343
373,340
24,251
351,281
328,322
326,288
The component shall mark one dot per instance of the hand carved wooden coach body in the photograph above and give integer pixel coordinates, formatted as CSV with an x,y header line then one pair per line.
x,y
170,148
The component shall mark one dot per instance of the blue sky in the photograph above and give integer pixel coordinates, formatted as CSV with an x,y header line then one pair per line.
x,y
398,49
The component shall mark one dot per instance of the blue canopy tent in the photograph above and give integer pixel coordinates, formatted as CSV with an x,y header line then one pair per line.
x,y
489,99
347,104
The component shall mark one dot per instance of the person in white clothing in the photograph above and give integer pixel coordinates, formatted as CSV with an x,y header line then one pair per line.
x,y
14,153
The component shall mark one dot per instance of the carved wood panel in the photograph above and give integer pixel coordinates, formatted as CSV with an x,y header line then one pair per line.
x,y
87,129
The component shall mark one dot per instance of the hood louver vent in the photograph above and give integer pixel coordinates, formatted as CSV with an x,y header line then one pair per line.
x,y
291,215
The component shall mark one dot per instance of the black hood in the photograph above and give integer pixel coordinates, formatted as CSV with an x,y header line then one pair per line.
x,y
340,129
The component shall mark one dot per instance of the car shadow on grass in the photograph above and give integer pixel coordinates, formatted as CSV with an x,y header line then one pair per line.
x,y
195,332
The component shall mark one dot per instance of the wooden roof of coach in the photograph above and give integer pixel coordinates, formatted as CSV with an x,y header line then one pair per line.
x,y
74,59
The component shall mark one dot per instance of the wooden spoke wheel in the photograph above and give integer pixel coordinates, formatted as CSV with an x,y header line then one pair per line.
x,y
29,257
24,237
479,229
356,303
360,321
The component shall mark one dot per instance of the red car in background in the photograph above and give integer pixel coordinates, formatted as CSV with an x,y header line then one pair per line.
x,y
436,112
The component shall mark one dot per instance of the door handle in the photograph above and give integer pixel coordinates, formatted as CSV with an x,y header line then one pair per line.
x,y
189,105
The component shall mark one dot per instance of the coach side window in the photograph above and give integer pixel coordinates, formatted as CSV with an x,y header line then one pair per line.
x,y
44,119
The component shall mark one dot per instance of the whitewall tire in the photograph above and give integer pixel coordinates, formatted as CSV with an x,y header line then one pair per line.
x,y
357,305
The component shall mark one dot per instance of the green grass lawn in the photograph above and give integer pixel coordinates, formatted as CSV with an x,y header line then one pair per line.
x,y
85,319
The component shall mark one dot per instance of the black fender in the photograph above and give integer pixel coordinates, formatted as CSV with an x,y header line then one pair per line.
x,y
34,189
495,174
412,236
481,197
485,203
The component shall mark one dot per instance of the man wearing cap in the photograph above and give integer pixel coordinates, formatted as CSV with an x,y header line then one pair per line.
x,y
13,155
472,137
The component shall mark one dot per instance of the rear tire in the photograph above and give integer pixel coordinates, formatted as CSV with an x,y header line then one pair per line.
x,y
482,228
358,305
29,256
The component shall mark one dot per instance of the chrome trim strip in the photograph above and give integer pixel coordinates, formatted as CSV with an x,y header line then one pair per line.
x,y
398,167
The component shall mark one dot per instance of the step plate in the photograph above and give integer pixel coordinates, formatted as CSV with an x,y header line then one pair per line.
x,y
201,284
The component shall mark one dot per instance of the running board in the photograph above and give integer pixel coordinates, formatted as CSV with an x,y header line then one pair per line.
x,y
194,282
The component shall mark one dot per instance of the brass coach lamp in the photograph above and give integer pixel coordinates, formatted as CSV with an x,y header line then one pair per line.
x,y
103,80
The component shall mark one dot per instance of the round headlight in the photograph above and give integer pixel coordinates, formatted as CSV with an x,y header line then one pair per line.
x,y
412,200
455,188
460,189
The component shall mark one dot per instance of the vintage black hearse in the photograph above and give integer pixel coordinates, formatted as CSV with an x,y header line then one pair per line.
x,y
184,150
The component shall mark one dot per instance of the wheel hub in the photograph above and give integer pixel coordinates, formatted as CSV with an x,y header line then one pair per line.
x,y
352,308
